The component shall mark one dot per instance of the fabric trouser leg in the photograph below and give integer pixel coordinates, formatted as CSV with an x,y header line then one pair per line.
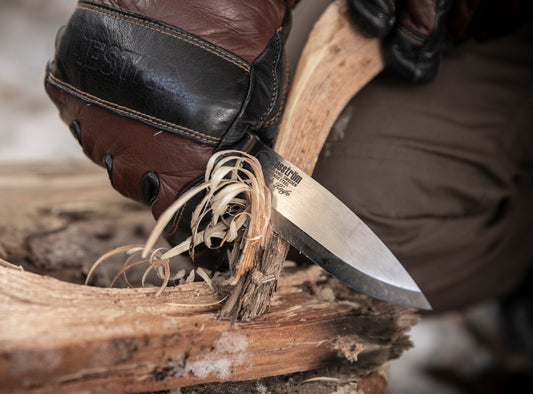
x,y
443,172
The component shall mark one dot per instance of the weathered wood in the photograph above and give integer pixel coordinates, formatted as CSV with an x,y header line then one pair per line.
x,y
63,337
39,202
335,64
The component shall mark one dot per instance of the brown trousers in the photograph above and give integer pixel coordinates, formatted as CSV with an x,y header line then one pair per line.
x,y
443,172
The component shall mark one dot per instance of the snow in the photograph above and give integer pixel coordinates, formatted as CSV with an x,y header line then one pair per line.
x,y
229,352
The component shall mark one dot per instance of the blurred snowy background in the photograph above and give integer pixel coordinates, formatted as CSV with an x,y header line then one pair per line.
x,y
30,129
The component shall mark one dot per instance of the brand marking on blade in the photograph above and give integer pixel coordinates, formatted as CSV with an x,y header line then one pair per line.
x,y
283,178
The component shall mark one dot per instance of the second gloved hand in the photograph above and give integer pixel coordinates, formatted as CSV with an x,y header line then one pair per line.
x,y
414,29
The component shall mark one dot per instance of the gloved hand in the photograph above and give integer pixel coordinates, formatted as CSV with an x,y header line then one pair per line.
x,y
415,31
151,89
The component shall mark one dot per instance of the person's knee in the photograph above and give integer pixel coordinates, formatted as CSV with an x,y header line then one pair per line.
x,y
456,228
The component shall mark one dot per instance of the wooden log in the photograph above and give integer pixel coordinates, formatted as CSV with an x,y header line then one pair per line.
x,y
336,62
63,337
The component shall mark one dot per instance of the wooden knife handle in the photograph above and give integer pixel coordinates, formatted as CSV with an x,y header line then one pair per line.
x,y
336,63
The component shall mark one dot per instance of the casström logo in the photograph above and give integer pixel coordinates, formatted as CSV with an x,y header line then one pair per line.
x,y
292,175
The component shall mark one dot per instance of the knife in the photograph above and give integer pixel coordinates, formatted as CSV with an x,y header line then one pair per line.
x,y
326,231
336,62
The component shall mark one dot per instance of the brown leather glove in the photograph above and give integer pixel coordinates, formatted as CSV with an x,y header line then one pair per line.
x,y
151,89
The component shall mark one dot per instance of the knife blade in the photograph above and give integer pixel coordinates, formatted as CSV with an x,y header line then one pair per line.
x,y
325,230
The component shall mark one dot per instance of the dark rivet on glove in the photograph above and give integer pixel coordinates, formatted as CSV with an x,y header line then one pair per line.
x,y
108,162
75,129
150,187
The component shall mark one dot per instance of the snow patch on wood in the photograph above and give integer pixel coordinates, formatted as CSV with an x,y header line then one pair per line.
x,y
229,352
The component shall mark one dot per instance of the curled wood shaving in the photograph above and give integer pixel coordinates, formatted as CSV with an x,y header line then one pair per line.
x,y
235,209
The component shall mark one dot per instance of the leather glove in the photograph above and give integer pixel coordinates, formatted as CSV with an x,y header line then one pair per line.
x,y
151,89
418,31
415,31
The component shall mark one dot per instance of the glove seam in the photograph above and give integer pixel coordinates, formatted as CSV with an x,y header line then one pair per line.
x,y
274,78
241,63
52,79
281,108
411,35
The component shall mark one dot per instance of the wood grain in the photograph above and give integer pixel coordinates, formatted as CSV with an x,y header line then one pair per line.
x,y
57,336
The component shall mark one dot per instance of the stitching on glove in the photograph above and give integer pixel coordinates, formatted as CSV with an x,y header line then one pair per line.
x,y
274,77
275,118
128,111
411,35
281,107
166,31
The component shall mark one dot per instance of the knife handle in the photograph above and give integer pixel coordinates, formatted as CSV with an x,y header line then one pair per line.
x,y
335,64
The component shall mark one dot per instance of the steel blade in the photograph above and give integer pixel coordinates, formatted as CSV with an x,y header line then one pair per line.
x,y
319,225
